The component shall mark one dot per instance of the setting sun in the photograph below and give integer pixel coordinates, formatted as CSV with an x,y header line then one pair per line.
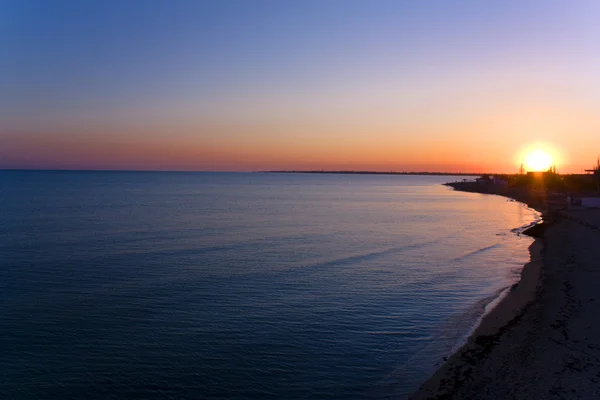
x,y
538,160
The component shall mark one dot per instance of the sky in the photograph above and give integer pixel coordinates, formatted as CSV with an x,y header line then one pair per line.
x,y
245,85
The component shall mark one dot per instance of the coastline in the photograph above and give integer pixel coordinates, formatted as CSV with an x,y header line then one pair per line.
x,y
445,382
460,366
543,339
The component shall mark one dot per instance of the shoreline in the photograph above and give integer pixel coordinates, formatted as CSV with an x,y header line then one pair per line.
x,y
490,306
543,340
506,312
451,375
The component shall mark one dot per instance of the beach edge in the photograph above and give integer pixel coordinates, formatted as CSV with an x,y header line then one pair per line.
x,y
509,310
450,376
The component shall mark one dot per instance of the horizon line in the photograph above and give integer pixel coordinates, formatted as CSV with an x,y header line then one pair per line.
x,y
322,171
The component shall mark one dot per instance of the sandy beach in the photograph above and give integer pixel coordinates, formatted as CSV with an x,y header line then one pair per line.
x,y
543,340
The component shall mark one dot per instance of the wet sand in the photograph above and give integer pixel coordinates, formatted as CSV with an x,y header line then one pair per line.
x,y
543,340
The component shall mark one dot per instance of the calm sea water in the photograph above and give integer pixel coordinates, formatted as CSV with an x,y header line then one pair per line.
x,y
218,285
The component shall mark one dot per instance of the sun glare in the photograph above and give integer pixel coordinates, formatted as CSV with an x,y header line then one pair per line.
x,y
538,160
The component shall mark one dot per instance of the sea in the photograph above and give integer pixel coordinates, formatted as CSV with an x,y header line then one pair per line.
x,y
176,285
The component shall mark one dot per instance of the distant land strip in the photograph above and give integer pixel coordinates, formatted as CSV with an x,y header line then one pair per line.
x,y
381,173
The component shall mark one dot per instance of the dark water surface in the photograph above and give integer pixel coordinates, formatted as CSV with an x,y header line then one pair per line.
x,y
217,285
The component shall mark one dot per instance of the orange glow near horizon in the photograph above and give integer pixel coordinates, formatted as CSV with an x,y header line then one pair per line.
x,y
255,152
247,153
494,139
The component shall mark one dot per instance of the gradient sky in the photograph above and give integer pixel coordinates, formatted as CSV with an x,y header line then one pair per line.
x,y
459,85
